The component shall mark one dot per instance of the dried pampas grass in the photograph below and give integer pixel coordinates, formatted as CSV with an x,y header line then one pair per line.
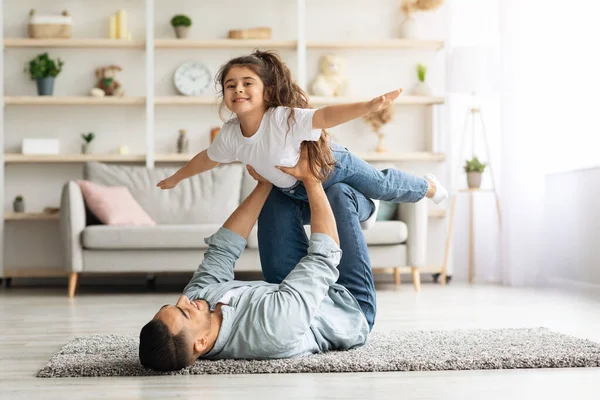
x,y
410,6
379,118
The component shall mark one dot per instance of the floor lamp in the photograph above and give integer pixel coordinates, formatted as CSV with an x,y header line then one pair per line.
x,y
470,71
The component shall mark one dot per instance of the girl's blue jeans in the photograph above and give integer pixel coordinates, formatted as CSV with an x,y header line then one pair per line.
x,y
282,241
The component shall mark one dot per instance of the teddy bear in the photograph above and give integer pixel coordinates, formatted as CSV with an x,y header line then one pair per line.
x,y
107,85
330,81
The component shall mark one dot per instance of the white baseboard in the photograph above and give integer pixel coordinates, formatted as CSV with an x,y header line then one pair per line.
x,y
558,282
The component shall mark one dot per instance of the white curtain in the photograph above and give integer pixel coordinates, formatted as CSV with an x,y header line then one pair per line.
x,y
548,116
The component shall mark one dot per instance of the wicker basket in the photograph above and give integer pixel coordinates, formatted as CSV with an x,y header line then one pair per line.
x,y
49,26
252,33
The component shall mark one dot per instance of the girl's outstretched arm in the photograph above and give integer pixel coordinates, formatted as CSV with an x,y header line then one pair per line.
x,y
200,163
330,116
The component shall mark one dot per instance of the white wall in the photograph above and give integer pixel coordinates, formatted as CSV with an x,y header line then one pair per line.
x,y
571,248
370,73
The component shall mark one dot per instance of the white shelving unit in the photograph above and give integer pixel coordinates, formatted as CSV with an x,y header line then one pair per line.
x,y
300,45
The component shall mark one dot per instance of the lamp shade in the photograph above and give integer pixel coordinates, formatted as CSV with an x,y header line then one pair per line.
x,y
472,70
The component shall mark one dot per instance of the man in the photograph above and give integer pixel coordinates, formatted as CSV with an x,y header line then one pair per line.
x,y
218,317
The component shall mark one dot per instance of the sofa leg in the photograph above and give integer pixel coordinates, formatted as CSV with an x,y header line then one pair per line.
x,y
416,276
397,277
72,283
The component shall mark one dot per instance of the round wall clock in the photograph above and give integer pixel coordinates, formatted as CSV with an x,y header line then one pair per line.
x,y
192,78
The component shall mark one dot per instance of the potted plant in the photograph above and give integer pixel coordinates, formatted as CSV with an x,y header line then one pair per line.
x,y
377,120
181,24
422,88
43,70
474,168
87,139
19,204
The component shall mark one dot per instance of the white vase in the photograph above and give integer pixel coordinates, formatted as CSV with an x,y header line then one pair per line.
x,y
408,28
422,89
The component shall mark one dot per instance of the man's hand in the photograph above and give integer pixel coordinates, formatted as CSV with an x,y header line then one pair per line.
x,y
168,183
255,175
302,170
384,101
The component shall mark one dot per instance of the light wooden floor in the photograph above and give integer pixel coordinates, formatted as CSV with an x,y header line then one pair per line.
x,y
34,323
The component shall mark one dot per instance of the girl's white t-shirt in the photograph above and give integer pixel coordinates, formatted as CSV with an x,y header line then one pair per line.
x,y
272,145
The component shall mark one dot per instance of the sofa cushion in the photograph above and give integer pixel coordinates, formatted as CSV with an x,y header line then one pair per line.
x,y
209,197
382,233
113,205
148,237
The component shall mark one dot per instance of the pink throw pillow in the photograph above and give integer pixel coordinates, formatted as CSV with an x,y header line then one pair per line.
x,y
113,205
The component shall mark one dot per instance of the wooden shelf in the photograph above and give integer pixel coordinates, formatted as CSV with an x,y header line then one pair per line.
x,y
390,156
185,100
377,44
175,157
73,100
402,100
223,44
30,216
75,43
475,190
190,100
418,156
72,158
314,100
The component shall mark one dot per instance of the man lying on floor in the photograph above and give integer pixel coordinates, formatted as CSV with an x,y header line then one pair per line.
x,y
218,317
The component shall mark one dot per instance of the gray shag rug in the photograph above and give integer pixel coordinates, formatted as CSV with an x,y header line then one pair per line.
x,y
117,355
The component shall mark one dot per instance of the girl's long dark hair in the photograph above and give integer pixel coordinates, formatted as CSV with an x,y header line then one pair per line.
x,y
281,90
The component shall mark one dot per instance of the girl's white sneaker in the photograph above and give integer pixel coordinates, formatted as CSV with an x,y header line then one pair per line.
x,y
441,193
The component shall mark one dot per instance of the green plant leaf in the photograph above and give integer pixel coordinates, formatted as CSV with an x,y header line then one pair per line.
x,y
88,137
421,72
43,66
474,165
181,20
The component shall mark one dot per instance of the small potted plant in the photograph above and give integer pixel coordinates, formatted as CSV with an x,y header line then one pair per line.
x,y
474,168
19,204
87,139
43,70
422,88
181,24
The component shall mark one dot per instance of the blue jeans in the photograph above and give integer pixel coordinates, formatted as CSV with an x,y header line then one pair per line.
x,y
388,184
282,241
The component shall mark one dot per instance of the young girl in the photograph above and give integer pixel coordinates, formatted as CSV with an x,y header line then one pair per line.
x,y
274,122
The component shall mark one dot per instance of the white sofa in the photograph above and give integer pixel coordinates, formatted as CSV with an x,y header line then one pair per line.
x,y
187,214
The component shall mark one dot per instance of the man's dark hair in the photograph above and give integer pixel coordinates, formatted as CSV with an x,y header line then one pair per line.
x,y
161,350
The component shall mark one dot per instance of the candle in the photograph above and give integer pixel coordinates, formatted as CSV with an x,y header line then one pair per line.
x,y
128,35
122,22
112,27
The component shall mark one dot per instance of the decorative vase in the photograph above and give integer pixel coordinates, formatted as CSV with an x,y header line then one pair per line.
x,y
182,142
380,147
19,205
85,148
408,28
422,89
181,32
45,86
474,180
